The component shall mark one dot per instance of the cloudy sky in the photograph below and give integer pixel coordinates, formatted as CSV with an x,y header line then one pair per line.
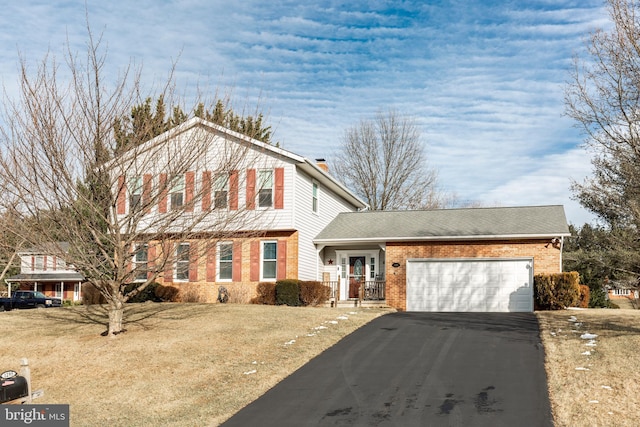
x,y
484,80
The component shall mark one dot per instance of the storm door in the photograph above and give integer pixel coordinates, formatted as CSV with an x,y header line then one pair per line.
x,y
356,275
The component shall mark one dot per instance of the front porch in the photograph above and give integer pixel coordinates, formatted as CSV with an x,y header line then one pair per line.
x,y
369,293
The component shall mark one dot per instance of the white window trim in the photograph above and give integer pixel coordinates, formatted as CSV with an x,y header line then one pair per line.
x,y
217,187
136,262
135,189
315,198
218,252
175,263
178,181
259,187
262,260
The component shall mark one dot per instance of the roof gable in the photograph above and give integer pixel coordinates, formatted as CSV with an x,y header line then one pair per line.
x,y
447,224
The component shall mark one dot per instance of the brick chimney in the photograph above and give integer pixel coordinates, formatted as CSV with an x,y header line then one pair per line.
x,y
322,164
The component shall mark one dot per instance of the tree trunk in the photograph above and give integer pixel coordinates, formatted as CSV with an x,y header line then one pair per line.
x,y
116,314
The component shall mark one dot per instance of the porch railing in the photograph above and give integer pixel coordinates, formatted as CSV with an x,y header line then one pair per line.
x,y
370,290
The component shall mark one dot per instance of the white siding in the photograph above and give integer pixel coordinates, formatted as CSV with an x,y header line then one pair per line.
x,y
309,223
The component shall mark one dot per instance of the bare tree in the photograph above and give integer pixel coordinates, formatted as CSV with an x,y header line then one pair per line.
x,y
384,162
64,178
603,96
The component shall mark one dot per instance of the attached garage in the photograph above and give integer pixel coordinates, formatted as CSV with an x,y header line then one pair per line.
x,y
469,259
470,285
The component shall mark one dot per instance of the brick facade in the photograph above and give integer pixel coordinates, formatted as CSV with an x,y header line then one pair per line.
x,y
204,290
546,259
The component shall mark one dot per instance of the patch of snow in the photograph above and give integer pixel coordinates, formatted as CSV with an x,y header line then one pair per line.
x,y
591,343
573,319
251,372
588,336
586,353
255,362
289,342
342,318
333,322
606,387
575,308
580,368
553,334
593,401
317,328
311,335
353,312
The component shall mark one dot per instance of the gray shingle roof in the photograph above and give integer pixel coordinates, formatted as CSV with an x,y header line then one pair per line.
x,y
446,224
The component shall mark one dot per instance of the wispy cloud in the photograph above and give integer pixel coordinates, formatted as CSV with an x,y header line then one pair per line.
x,y
484,79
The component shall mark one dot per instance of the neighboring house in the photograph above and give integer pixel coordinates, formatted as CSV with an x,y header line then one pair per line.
x,y
476,259
291,199
41,271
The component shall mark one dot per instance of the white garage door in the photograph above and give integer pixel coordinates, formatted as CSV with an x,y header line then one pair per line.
x,y
479,285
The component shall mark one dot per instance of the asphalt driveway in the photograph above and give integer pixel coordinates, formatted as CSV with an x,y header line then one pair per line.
x,y
418,369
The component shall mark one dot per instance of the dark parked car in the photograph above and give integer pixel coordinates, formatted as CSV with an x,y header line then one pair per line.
x,y
29,299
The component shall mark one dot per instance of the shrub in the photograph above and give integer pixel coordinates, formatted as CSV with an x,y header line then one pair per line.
x,y
314,293
266,293
556,291
598,298
91,295
585,296
191,294
147,294
288,292
167,293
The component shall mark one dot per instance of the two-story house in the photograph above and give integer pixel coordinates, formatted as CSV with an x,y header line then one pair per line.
x,y
261,205
47,273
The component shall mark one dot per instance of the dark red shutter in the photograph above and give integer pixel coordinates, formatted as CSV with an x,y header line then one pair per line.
x,y
190,184
193,261
146,192
279,189
162,206
254,263
206,191
211,264
233,190
251,189
151,260
282,260
122,196
168,267
236,274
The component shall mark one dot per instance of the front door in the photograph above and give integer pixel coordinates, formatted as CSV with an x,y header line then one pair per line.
x,y
356,275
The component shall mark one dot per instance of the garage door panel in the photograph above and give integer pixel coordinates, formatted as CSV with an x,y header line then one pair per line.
x,y
498,285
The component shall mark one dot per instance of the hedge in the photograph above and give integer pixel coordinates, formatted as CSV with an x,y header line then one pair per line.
x,y
288,292
556,291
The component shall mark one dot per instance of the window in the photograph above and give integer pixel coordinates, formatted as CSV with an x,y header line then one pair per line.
x,y
269,260
140,260
372,274
343,264
177,193
182,262
39,263
135,193
221,191
622,292
315,198
265,186
225,261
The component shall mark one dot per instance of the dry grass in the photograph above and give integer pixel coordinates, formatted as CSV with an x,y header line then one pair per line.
x,y
177,364
599,389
